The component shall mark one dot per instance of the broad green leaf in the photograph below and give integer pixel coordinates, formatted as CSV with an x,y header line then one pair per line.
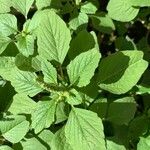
x,y
25,82
120,111
144,143
46,136
44,115
59,142
5,6
43,3
78,21
141,3
7,64
23,63
8,24
14,128
89,7
32,144
22,6
4,41
60,112
114,146
5,147
73,97
82,68
103,23
119,72
78,45
50,73
25,44
122,10
22,104
53,37
139,126
36,63
85,127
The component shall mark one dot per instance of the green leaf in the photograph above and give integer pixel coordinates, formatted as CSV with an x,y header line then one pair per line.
x,y
44,115
89,7
25,82
5,6
14,128
59,141
8,24
53,37
22,6
78,45
120,111
46,136
74,97
7,64
43,3
143,90
119,72
50,73
60,112
78,21
114,146
103,23
121,10
144,143
143,3
25,44
22,104
82,68
85,127
5,147
32,143
4,41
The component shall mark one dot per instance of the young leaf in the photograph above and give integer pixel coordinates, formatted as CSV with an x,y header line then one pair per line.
x,y
85,127
14,128
8,24
82,68
4,41
50,73
121,10
22,104
44,115
5,6
25,44
25,82
53,37
119,72
22,6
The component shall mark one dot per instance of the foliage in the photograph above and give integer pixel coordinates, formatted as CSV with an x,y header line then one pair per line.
x,y
74,75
